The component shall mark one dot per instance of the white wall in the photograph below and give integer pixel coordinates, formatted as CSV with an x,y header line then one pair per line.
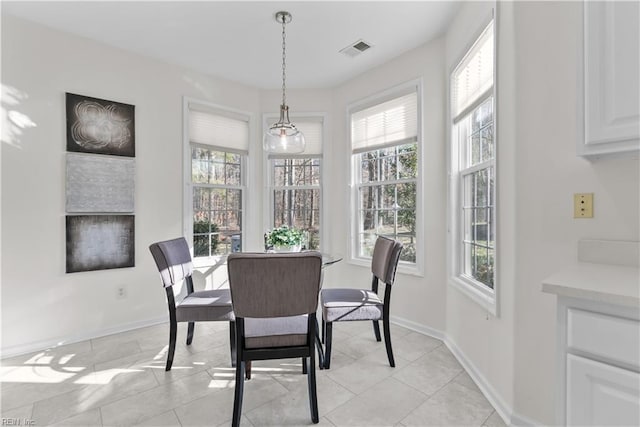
x,y
42,305
548,42
417,300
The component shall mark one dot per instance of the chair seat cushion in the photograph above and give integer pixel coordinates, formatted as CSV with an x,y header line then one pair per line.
x,y
275,331
205,305
350,304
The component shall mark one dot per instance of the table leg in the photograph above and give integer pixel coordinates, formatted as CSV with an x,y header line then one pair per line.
x,y
319,347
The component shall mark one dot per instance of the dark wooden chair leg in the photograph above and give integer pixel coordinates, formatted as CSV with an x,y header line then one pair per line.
x,y
387,341
311,380
190,329
232,342
304,366
173,330
327,345
247,369
238,394
323,326
376,330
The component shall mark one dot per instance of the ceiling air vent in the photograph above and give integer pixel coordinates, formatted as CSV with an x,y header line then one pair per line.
x,y
355,49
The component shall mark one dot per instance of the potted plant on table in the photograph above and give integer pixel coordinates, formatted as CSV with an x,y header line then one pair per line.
x,y
284,239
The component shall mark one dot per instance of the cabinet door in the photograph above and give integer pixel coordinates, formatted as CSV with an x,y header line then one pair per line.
x,y
601,395
611,77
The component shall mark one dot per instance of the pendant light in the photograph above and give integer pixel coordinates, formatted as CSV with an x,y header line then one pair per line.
x,y
283,137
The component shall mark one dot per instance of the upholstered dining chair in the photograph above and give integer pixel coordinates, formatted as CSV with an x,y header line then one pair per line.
x,y
174,264
348,304
275,298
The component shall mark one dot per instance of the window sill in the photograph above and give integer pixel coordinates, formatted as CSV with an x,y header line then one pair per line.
x,y
485,298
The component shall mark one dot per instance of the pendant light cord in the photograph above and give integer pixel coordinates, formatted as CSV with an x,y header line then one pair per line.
x,y
284,45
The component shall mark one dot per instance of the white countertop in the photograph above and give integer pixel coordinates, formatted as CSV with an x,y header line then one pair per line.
x,y
597,282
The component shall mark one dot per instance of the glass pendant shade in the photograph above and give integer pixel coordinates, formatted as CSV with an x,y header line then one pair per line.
x,y
283,137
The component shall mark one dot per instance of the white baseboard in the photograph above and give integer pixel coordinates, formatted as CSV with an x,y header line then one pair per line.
x,y
47,344
521,420
417,327
502,408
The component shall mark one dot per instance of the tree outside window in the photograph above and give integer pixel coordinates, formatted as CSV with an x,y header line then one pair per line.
x,y
387,194
296,196
217,201
478,194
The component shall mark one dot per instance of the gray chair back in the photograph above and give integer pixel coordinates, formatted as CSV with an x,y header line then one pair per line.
x,y
173,260
290,282
384,262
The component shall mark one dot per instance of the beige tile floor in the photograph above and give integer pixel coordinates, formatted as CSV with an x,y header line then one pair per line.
x,y
119,380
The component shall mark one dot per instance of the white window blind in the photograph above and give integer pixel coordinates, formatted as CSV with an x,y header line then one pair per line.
x,y
473,77
219,129
312,131
389,123
311,128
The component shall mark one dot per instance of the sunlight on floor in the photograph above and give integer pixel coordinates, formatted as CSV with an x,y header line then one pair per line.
x,y
37,374
162,353
161,367
104,377
223,379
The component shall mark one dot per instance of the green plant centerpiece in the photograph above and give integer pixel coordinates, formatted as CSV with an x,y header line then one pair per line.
x,y
284,239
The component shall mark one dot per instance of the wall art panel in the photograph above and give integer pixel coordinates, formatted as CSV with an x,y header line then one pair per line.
x,y
99,126
100,183
99,242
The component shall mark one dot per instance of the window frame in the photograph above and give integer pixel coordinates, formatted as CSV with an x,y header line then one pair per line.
x,y
188,186
268,223
474,289
417,268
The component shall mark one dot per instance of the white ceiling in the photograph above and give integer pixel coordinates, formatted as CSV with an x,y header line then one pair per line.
x,y
241,41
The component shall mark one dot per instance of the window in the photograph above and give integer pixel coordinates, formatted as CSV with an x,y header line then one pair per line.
x,y
218,141
385,146
473,167
296,184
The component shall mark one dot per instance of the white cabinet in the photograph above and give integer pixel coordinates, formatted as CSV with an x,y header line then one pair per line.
x,y
598,335
600,394
611,79
599,363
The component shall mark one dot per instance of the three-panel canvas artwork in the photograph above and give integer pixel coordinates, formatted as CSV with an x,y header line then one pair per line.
x,y
100,184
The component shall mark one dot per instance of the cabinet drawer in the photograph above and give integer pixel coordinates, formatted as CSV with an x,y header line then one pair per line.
x,y
610,337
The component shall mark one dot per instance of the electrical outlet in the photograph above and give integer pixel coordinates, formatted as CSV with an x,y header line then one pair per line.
x,y
583,205
121,292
